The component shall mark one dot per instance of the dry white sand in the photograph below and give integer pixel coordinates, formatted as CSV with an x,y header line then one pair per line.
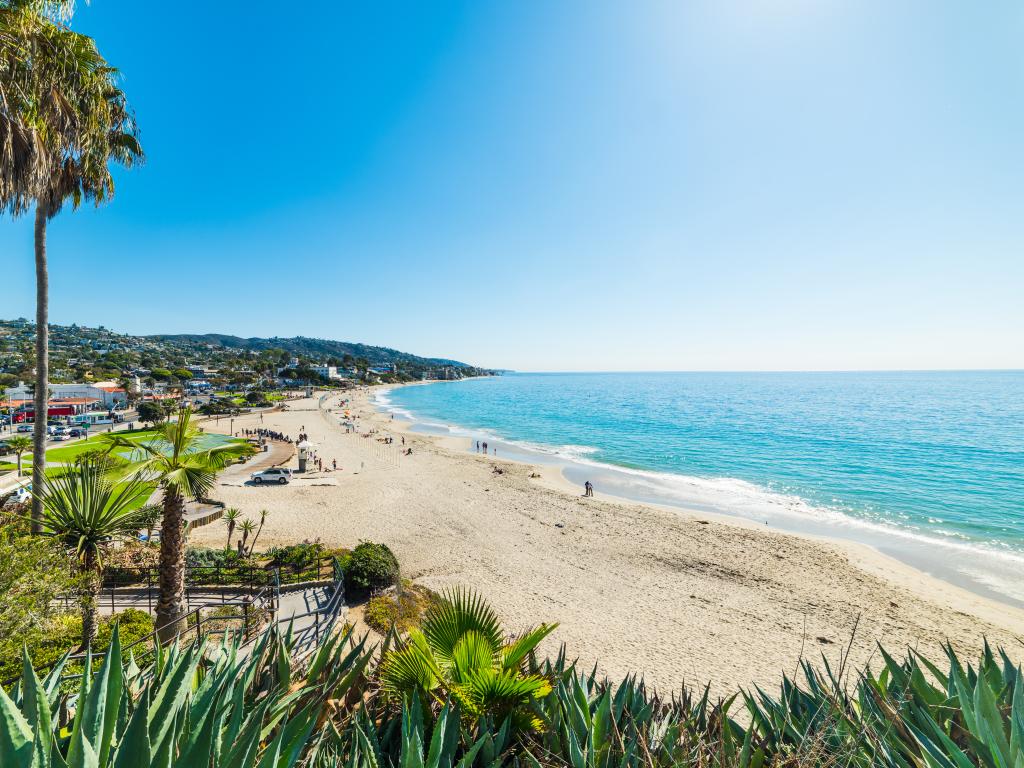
x,y
674,595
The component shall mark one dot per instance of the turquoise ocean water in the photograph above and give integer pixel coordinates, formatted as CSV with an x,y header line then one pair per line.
x,y
926,466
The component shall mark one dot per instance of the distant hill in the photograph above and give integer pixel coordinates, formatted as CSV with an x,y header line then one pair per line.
x,y
303,345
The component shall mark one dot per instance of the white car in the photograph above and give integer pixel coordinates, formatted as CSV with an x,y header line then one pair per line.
x,y
278,475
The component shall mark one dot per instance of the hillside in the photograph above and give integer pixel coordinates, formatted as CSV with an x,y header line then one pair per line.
x,y
303,345
78,353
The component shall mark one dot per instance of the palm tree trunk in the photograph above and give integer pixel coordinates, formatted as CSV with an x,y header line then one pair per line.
x,y
42,369
90,591
170,608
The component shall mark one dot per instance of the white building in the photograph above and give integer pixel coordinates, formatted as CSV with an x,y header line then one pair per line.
x,y
107,392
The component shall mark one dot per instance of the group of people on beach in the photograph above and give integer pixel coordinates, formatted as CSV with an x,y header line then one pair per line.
x,y
267,434
482,448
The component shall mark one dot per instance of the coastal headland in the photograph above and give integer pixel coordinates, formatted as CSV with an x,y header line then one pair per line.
x,y
677,596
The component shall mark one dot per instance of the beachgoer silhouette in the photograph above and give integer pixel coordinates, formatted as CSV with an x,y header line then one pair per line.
x,y
588,489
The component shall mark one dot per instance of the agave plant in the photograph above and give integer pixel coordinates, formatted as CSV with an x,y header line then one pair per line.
x,y
191,707
460,653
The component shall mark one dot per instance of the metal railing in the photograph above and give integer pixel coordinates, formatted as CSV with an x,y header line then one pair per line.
x,y
251,612
264,602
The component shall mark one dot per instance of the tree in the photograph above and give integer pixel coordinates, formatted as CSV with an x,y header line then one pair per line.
x,y
151,412
63,120
34,573
18,445
85,508
176,459
247,526
263,519
231,517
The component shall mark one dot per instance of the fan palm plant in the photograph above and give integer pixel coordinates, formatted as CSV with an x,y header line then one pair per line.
x,y
175,458
63,120
85,507
461,653
18,445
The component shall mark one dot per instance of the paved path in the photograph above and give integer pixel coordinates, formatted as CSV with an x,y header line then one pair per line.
x,y
306,629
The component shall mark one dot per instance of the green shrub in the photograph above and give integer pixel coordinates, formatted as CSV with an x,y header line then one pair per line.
x,y
297,556
402,611
370,568
64,632
209,557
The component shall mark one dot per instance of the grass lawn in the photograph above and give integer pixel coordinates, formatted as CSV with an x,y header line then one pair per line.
x,y
65,454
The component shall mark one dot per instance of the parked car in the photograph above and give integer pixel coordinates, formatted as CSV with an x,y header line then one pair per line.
x,y
24,427
77,432
278,475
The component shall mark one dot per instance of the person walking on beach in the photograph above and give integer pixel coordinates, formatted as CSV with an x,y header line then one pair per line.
x,y
485,449
588,489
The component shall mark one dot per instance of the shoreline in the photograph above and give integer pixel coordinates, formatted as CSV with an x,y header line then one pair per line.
x,y
954,595
928,556
636,588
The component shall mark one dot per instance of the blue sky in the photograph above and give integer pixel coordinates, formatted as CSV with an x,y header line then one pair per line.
x,y
768,184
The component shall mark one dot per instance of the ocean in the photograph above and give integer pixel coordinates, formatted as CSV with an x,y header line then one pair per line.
x,y
925,466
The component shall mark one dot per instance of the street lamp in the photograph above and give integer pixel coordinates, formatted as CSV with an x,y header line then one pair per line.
x,y
232,430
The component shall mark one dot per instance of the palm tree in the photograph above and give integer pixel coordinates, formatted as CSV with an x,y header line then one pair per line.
x,y
18,445
231,517
85,508
246,527
63,121
263,519
175,459
461,652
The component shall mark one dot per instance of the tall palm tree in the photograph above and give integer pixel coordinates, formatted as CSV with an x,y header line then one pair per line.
x,y
86,507
177,460
63,121
18,445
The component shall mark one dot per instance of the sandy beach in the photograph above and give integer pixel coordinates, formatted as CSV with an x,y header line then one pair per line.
x,y
674,595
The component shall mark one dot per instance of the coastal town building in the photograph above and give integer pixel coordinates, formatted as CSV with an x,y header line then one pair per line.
x,y
108,393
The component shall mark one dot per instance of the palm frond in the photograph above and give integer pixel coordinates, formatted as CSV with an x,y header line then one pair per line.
x,y
457,612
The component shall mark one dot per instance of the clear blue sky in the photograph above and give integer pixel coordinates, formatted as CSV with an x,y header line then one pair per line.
x,y
766,184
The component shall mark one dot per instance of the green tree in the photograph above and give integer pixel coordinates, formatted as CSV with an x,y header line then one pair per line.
x,y
34,573
231,517
85,508
63,121
176,459
246,527
18,445
151,412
